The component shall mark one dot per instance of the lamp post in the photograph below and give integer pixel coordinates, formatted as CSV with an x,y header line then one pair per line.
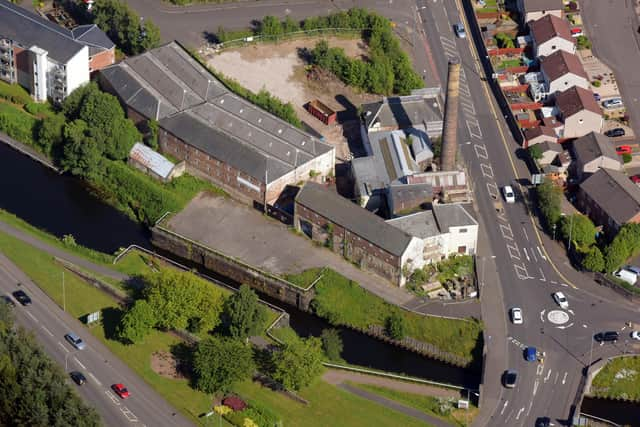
x,y
570,232
64,298
554,231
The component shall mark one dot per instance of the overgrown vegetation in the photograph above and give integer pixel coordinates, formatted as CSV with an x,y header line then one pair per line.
x,y
549,202
504,40
625,245
34,390
619,379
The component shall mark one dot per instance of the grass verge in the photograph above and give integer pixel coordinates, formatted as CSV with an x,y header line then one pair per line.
x,y
619,379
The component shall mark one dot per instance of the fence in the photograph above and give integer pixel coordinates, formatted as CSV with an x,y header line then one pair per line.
x,y
260,38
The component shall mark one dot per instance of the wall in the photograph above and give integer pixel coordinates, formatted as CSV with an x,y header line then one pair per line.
x,y
102,59
594,165
581,124
565,82
456,238
555,44
534,16
77,70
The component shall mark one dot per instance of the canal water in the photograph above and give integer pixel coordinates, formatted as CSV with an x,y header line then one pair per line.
x,y
622,413
62,205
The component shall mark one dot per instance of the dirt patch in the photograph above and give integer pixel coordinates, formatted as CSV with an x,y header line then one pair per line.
x,y
164,364
279,69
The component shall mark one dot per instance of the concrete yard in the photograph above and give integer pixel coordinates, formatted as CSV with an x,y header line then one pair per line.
x,y
244,233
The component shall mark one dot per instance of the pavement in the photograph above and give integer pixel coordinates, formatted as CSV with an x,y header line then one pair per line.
x,y
101,367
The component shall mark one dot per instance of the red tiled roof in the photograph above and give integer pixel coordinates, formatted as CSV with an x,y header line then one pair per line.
x,y
560,63
548,27
576,99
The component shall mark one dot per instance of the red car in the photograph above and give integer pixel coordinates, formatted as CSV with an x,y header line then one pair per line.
x,y
623,149
121,390
635,179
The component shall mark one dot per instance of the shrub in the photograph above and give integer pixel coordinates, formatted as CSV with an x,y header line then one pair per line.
x,y
583,43
626,158
596,83
535,152
504,40
17,124
39,109
331,344
594,261
549,201
395,327
14,93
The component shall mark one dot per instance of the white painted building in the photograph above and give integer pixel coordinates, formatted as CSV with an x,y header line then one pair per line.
x,y
562,71
550,34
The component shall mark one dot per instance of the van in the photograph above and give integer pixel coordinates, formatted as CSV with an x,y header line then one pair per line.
x,y
626,275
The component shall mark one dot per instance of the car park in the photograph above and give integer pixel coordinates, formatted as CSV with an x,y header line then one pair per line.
x,y
615,132
509,195
121,390
613,103
635,335
561,300
516,316
608,336
22,297
78,377
459,30
7,300
509,378
624,149
627,276
75,341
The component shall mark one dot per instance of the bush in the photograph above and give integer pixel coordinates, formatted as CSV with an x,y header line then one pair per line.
x,y
504,41
39,109
594,261
332,344
596,83
583,43
395,327
626,158
14,93
626,244
258,413
535,152
549,202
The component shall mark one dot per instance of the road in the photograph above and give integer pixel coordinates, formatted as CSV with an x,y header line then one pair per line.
x,y
101,368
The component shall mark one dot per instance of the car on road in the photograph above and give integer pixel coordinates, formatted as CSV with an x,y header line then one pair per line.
x,y
608,336
75,341
543,422
623,149
561,300
459,30
509,195
516,316
22,297
530,354
615,132
7,300
120,390
612,103
77,377
635,335
509,378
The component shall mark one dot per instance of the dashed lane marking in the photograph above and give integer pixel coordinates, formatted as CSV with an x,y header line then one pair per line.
x,y
542,315
32,316
526,254
535,386
556,380
564,378
506,402
524,230
548,376
79,363
542,279
63,347
533,254
539,369
113,398
520,413
44,328
541,254
131,417
94,378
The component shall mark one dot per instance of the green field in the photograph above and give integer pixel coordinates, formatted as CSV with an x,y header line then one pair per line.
x,y
619,379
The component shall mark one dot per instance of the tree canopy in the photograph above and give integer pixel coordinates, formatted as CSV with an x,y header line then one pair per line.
x,y
243,315
218,363
549,202
131,33
580,229
137,322
298,363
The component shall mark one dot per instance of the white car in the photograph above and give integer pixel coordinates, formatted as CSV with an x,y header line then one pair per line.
x,y
561,300
509,195
459,30
635,335
516,316
612,103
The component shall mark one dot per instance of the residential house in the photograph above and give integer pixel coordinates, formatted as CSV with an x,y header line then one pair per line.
x,y
221,136
357,234
538,135
579,112
551,34
48,60
549,152
532,10
562,71
610,199
592,152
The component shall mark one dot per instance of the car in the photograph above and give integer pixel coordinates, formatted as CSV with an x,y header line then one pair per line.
x,y
597,97
633,269
613,103
530,354
509,378
459,30
7,300
576,32
543,422
509,195
615,132
121,390
626,275
77,377
75,341
635,179
561,300
635,335
608,336
516,316
623,149
22,297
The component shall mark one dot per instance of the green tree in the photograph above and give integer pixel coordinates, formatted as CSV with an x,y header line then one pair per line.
x,y
580,228
594,260
535,152
151,134
549,203
49,133
615,254
137,322
182,300
504,41
271,26
243,314
82,156
395,326
128,31
219,363
299,363
583,43
331,344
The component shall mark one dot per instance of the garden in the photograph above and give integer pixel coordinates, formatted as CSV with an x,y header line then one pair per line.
x,y
618,379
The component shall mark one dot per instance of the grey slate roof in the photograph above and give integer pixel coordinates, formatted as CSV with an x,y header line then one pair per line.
x,y
452,215
540,5
28,29
614,192
352,217
168,85
400,193
93,37
420,224
402,111
592,146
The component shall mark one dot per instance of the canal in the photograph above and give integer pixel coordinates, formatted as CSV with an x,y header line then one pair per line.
x,y
61,205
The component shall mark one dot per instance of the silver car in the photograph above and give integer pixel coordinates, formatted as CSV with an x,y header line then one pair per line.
x,y
459,30
75,341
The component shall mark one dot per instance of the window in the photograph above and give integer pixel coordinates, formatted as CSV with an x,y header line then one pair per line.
x,y
580,121
462,230
462,249
553,47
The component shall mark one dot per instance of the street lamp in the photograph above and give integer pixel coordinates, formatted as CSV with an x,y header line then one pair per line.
x,y
64,298
570,232
554,231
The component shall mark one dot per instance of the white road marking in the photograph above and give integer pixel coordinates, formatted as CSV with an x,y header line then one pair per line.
x,y
564,378
520,413
564,284
540,252
513,250
505,229
32,316
525,234
571,311
486,170
584,326
44,328
553,282
548,375
556,380
526,254
79,363
539,369
506,402
535,387
113,398
130,415
492,189
481,151
529,410
543,279
533,254
565,326
542,315
519,269
94,378
63,347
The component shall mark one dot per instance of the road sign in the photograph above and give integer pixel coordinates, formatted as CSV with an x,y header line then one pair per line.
x,y
93,317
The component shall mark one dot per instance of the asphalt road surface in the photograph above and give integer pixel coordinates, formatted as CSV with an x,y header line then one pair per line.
x,y
100,367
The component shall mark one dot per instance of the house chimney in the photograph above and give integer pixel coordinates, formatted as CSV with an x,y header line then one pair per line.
x,y
449,134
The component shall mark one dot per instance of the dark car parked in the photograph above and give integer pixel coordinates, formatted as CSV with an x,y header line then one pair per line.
x,y
509,378
613,133
77,377
22,297
608,336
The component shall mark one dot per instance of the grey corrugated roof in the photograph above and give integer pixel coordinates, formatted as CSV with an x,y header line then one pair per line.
x,y
452,215
614,192
151,159
352,217
592,146
421,224
402,111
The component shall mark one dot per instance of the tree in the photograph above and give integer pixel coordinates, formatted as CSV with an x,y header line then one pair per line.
x,y
182,300
331,344
242,314
49,132
594,261
549,201
580,229
583,43
299,363
137,322
615,254
394,326
218,363
129,32
151,133
535,152
82,156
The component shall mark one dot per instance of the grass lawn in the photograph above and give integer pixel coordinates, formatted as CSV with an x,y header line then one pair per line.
x,y
437,407
508,63
619,379
344,302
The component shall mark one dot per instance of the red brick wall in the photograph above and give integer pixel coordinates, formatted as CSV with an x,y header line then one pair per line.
x,y
21,57
102,59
